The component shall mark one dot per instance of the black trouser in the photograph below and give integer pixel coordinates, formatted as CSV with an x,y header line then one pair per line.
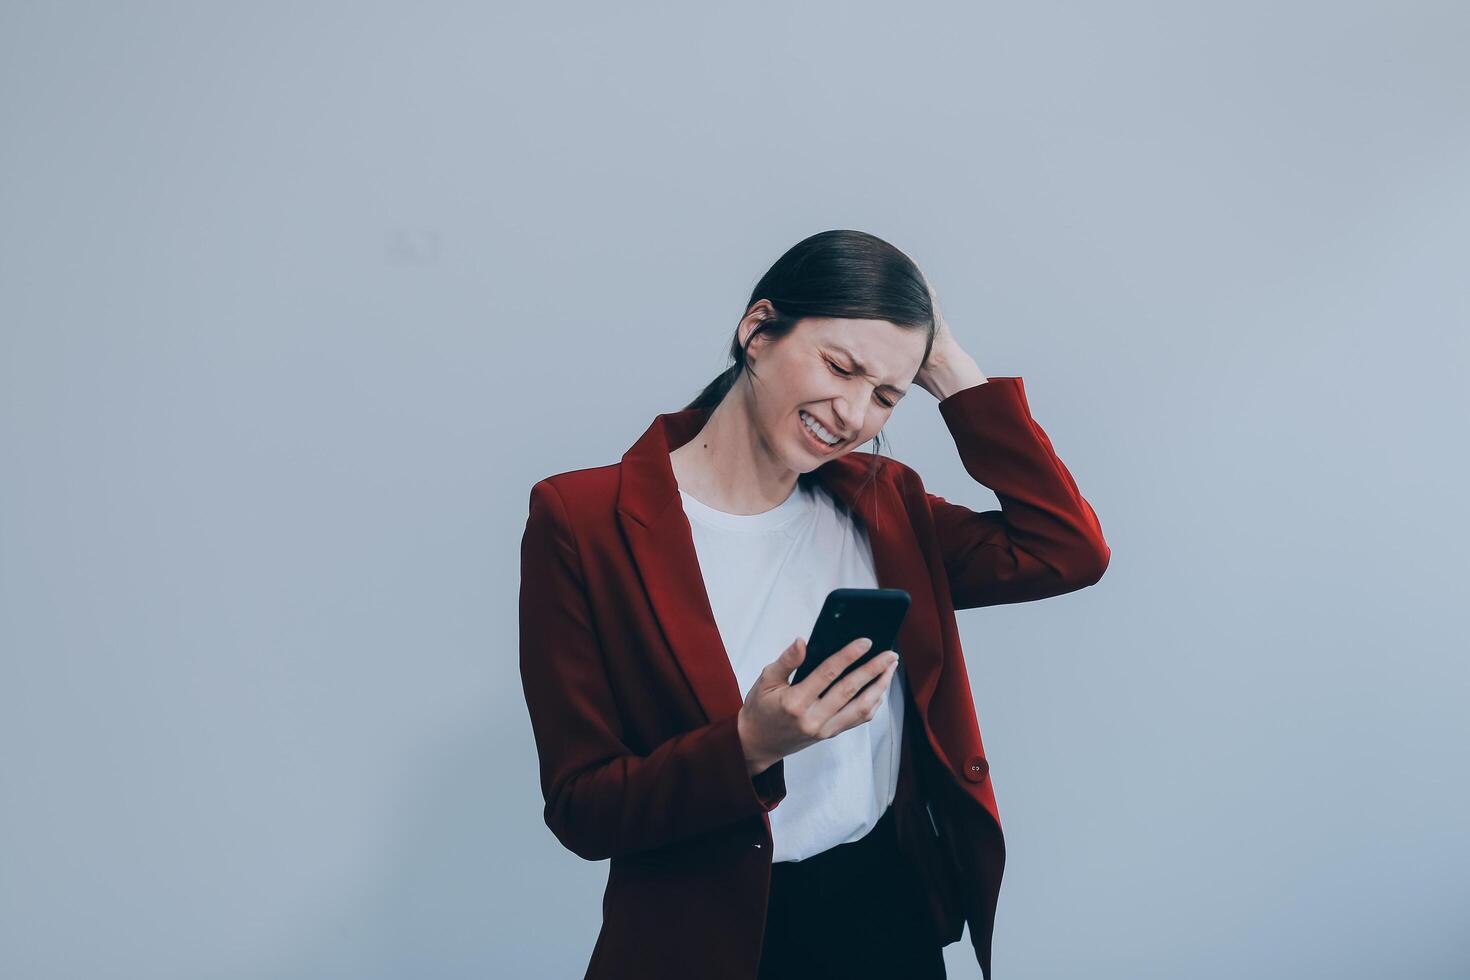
x,y
854,911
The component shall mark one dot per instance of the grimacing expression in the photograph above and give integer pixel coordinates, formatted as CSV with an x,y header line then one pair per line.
x,y
847,375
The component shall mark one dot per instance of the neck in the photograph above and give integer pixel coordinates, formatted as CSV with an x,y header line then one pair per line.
x,y
728,465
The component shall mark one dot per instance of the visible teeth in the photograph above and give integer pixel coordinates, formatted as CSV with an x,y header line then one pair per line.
x,y
817,427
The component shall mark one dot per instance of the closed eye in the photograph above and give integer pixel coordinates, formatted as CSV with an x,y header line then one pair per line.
x,y
848,374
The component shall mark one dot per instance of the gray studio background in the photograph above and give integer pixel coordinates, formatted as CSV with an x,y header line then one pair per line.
x,y
299,300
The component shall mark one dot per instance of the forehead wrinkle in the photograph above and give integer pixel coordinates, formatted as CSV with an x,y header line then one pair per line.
x,y
863,368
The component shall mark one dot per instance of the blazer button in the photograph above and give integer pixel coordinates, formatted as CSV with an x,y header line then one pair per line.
x,y
759,844
976,768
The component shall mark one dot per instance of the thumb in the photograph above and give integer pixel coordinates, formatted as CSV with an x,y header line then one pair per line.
x,y
789,658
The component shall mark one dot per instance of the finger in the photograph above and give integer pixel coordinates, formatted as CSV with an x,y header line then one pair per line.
x,y
816,684
854,683
789,660
834,665
860,709
822,676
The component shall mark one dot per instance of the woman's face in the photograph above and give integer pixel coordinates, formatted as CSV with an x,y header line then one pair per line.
x,y
846,375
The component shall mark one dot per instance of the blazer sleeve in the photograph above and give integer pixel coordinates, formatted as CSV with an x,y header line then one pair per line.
x,y
1045,540
602,799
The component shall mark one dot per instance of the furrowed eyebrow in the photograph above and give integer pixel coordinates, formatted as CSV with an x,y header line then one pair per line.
x,y
858,366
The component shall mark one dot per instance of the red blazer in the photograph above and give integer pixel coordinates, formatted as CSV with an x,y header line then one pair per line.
x,y
633,701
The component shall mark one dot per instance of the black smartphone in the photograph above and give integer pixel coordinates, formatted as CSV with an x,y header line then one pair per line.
x,y
848,614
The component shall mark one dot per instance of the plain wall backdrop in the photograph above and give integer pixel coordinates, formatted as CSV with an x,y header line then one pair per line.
x,y
297,301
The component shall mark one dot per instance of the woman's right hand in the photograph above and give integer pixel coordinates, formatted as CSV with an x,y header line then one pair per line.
x,y
779,718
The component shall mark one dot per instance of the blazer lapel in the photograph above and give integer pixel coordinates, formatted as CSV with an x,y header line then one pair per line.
x,y
899,563
662,546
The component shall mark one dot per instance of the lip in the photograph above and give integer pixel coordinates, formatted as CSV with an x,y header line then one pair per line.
x,y
820,447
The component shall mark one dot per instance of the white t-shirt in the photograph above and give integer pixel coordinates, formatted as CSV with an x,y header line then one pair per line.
x,y
767,576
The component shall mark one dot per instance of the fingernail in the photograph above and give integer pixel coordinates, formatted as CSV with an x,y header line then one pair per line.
x,y
865,644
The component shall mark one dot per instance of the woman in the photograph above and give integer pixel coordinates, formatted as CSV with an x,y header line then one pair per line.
x,y
781,833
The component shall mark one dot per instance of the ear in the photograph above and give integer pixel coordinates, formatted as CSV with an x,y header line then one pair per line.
x,y
760,310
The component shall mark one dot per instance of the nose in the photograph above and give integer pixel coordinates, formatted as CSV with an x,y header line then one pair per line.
x,y
850,419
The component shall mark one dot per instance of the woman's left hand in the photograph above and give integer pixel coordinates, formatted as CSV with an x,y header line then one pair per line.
x,y
948,362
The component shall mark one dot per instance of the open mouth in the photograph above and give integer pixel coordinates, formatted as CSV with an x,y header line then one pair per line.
x,y
818,446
